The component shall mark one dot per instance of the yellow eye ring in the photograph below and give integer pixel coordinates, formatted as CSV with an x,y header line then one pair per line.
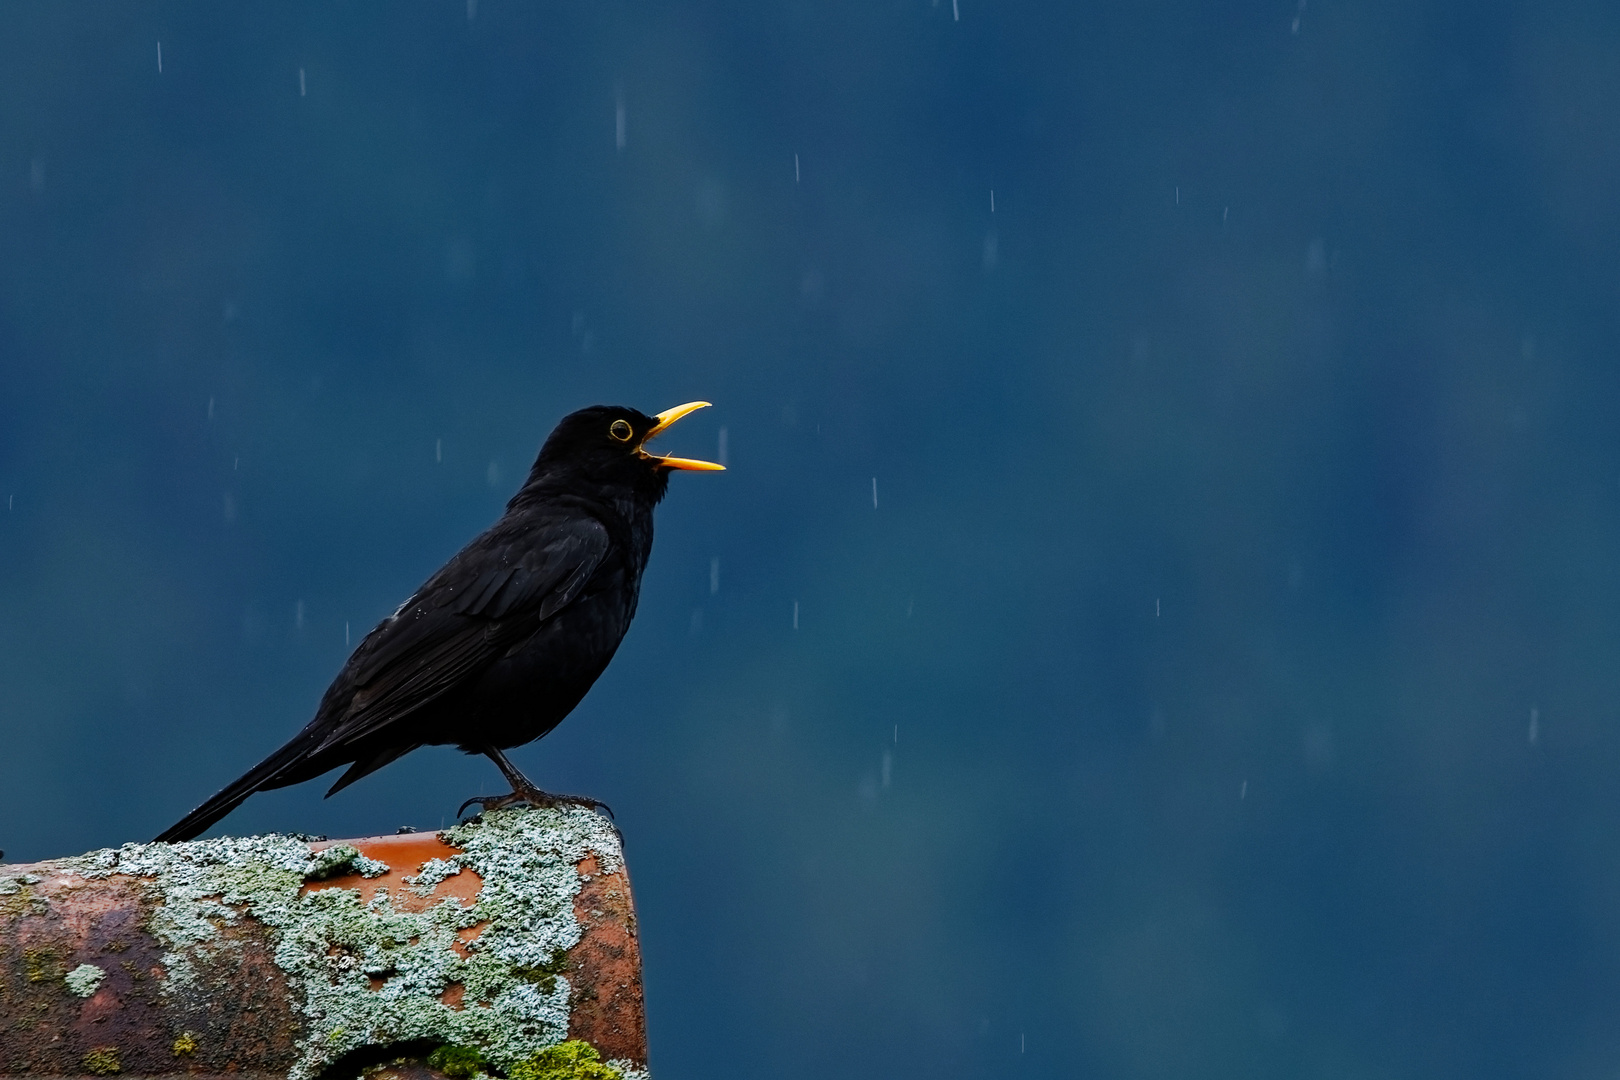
x,y
620,430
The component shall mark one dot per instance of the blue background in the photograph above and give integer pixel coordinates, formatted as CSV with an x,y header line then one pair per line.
x,y
1225,681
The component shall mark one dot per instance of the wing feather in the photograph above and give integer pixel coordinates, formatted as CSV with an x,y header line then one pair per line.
x,y
444,634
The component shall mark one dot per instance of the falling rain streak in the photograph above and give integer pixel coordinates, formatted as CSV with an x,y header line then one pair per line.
x,y
874,493
723,452
795,168
618,125
160,58
301,91
714,576
795,614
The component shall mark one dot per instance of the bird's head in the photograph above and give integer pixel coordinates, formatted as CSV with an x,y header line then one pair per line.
x,y
608,444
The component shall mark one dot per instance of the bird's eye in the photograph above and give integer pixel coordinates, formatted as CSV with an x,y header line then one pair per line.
x,y
620,430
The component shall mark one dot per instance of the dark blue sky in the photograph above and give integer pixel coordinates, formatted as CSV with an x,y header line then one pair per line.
x,y
1224,683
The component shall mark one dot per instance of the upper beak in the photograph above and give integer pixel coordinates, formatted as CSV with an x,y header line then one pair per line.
x,y
665,419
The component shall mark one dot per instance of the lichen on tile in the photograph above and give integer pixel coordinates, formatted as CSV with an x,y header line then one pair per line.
x,y
366,973
84,979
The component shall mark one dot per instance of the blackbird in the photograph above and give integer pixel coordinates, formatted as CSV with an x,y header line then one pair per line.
x,y
501,644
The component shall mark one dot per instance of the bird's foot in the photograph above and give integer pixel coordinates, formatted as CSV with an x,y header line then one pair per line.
x,y
536,798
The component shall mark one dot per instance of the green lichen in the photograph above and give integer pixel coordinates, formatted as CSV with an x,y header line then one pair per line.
x,y
545,975
340,860
102,1061
458,1062
571,1060
42,964
433,871
84,979
17,896
365,974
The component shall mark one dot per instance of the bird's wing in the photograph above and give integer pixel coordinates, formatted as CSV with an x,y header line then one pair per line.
x,y
467,615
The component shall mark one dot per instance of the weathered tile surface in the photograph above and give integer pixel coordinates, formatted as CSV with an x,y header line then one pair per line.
x,y
279,957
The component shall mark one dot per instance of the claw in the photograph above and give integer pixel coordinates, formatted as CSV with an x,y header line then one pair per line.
x,y
535,798
485,802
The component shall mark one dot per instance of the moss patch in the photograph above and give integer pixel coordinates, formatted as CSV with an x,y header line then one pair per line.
x,y
102,1061
571,1060
458,1062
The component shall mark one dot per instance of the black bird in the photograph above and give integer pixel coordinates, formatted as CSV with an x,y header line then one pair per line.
x,y
501,644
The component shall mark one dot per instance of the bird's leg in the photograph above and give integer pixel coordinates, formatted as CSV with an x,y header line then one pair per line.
x,y
523,791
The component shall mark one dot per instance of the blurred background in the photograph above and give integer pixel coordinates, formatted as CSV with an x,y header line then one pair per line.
x,y
1162,618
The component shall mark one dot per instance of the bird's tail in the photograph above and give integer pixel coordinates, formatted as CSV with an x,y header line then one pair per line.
x,y
288,765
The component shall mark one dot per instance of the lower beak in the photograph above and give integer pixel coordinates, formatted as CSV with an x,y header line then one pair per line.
x,y
665,419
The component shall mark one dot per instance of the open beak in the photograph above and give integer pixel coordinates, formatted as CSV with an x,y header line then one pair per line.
x,y
665,419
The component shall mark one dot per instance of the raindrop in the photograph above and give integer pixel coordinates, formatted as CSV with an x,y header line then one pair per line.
x,y
724,451
618,125
230,507
210,408
795,168
345,633
438,451
1178,194
1020,1042
714,575
897,734
1535,726
956,12
992,200
1243,790
795,614
910,604
472,10
992,250
1316,260
1225,210
160,58
236,464
1155,609
302,92
874,493
492,475
298,615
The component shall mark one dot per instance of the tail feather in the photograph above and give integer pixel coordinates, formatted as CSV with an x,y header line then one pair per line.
x,y
289,765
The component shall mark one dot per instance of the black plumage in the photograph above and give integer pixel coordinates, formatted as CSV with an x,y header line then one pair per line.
x,y
506,638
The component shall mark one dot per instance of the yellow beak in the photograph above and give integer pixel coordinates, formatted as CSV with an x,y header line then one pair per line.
x,y
665,419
